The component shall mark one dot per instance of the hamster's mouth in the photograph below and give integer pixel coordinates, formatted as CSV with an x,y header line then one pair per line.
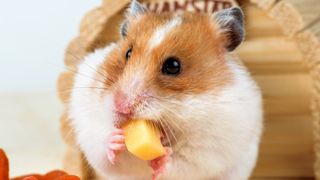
x,y
167,136
120,119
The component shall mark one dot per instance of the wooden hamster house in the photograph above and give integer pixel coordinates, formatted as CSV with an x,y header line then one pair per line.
x,y
281,50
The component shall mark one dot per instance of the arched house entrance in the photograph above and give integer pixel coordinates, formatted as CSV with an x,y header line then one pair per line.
x,y
281,50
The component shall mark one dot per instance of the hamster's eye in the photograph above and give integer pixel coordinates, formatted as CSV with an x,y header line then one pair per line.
x,y
171,66
128,54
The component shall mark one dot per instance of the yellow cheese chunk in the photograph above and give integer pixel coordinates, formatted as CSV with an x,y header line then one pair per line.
x,y
142,139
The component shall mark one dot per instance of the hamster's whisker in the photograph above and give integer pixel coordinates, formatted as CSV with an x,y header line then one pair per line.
x,y
166,133
171,121
195,108
77,59
95,104
171,131
81,88
84,62
169,109
75,72
70,132
174,123
93,107
169,99
105,76
164,126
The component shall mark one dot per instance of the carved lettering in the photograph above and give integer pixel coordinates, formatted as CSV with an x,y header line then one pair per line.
x,y
205,6
152,6
195,7
215,7
226,5
166,7
178,6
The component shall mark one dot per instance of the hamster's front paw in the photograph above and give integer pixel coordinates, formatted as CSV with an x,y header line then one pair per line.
x,y
115,145
158,165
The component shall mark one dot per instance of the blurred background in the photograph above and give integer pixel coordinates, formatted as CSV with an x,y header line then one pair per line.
x,y
33,36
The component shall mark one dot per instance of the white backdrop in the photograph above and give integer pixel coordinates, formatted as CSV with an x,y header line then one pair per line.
x,y
33,35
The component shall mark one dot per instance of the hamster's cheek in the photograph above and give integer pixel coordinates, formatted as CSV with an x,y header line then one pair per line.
x,y
92,119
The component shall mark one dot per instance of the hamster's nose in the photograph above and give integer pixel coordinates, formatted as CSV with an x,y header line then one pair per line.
x,y
122,103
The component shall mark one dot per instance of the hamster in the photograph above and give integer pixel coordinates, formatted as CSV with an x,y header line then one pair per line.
x,y
177,70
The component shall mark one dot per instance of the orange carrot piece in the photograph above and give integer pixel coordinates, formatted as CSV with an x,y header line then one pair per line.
x,y
34,176
52,175
4,166
31,178
67,177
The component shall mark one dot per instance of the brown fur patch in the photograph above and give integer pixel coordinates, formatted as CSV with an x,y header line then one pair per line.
x,y
196,42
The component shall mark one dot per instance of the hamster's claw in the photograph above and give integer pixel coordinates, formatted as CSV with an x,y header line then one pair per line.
x,y
115,145
158,165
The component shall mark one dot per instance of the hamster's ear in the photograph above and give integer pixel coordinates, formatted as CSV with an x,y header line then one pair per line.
x,y
231,23
135,9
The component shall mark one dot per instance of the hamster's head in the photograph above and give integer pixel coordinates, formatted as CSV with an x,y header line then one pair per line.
x,y
167,68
